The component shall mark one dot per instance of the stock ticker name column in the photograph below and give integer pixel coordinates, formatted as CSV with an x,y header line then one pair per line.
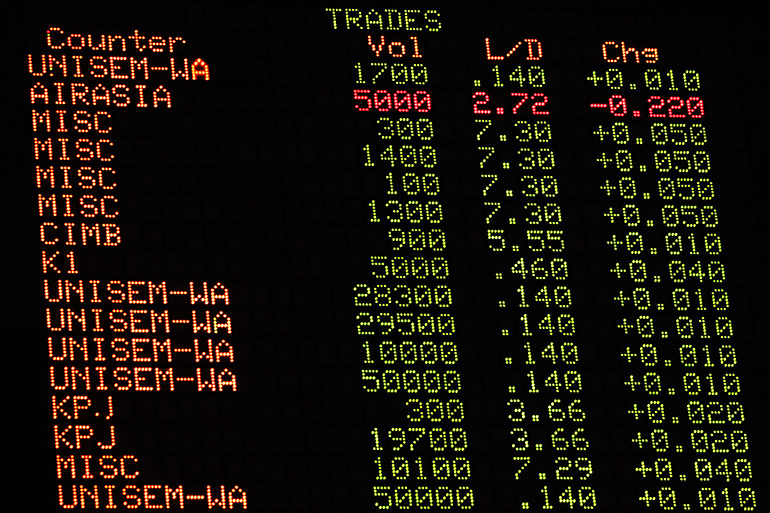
x,y
107,337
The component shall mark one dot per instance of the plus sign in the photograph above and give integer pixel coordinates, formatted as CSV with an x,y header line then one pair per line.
x,y
639,440
632,383
614,242
594,78
622,298
608,187
604,160
643,468
635,411
647,498
625,326
617,270
612,215
628,355
601,133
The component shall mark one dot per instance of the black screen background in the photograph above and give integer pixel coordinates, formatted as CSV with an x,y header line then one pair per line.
x,y
254,179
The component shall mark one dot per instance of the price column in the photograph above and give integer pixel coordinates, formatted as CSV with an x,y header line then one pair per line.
x,y
519,176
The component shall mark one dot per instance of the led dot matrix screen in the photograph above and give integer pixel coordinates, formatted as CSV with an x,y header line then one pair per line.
x,y
383,258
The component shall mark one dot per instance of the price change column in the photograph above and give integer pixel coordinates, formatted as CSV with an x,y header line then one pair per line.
x,y
678,344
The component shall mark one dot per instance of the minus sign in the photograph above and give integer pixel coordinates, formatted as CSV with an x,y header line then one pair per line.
x,y
599,105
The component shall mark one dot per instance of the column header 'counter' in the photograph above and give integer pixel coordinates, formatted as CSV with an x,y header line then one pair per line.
x,y
57,39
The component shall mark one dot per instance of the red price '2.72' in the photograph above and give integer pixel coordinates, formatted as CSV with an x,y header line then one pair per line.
x,y
537,103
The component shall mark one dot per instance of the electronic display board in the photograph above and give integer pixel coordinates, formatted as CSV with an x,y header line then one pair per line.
x,y
295,258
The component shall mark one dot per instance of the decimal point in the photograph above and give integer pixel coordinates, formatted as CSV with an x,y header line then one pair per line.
x,y
675,420
642,169
509,361
503,138
679,448
656,279
646,195
525,505
498,276
543,475
637,113
535,418
514,248
500,110
661,306
654,251
632,86
501,304
511,389
663,334
509,192
539,447
650,223
671,391
477,83
504,333
506,165
686,507
667,363
683,477
511,220
639,140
